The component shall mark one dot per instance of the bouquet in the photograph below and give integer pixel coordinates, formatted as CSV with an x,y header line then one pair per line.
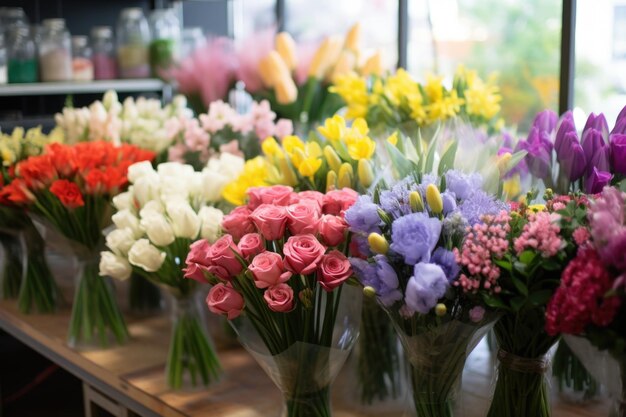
x,y
159,217
142,122
403,242
387,102
308,101
222,129
23,246
515,261
339,157
69,188
590,298
564,161
279,275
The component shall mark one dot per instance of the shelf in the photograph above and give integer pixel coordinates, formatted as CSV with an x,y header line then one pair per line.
x,y
75,87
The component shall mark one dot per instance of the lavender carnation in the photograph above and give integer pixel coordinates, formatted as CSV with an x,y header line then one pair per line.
x,y
479,204
379,275
445,259
463,185
414,236
424,289
363,216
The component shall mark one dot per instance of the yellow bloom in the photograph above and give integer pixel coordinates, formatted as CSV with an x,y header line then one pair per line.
x,y
345,64
286,90
378,243
271,148
366,174
331,180
434,88
360,125
313,150
352,37
334,128
415,200
309,166
286,47
291,143
353,90
346,174
445,108
537,207
512,186
400,85
482,100
332,159
255,174
393,138
373,65
362,148
325,56
288,177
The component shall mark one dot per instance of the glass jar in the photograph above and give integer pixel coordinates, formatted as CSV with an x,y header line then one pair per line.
x,y
105,67
166,38
12,16
193,38
55,53
133,40
3,61
22,56
82,67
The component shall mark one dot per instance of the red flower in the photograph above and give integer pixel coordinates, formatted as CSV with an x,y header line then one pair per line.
x,y
68,193
37,171
63,158
15,193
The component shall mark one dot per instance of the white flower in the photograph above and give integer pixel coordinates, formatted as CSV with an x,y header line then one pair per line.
x,y
185,221
158,229
126,219
228,165
124,201
146,256
147,188
173,188
138,170
212,185
211,219
152,206
110,99
120,240
174,169
114,266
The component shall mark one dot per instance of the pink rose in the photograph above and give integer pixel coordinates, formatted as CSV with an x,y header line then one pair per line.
x,y
338,201
270,221
303,218
302,254
334,270
268,269
279,298
279,195
225,300
197,260
222,254
219,272
315,196
332,229
237,223
284,127
250,245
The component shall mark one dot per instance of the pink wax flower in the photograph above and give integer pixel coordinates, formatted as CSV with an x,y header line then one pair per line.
x,y
540,233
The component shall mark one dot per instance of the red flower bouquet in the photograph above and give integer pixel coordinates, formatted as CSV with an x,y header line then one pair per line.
x,y
591,297
70,188
278,275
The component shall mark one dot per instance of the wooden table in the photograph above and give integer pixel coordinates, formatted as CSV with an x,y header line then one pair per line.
x,y
129,379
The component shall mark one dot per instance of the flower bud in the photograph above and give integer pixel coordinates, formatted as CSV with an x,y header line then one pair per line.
x,y
503,163
366,174
287,174
373,65
345,64
441,309
286,48
265,72
306,298
433,198
369,292
286,90
331,181
346,175
277,67
325,56
378,243
415,200
393,138
333,160
353,37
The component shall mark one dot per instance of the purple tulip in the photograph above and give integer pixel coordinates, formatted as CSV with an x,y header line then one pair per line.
x,y
596,123
539,157
545,121
618,153
593,146
621,115
595,182
571,156
601,160
620,126
566,126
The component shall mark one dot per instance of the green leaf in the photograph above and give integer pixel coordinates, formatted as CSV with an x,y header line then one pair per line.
x,y
504,264
399,161
410,152
540,298
447,160
517,303
622,185
495,303
520,286
527,257
430,156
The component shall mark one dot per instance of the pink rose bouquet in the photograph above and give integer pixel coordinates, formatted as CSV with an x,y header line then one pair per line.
x,y
279,271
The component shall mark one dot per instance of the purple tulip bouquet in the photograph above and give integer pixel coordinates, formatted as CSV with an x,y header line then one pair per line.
x,y
566,161
403,246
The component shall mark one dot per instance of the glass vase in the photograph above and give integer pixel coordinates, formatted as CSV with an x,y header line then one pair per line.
x,y
574,382
144,298
437,348
192,360
304,371
521,387
607,369
96,320
12,266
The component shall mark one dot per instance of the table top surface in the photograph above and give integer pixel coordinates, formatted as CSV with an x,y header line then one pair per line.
x,y
135,374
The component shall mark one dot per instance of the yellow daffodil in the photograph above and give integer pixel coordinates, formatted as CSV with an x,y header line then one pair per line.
x,y
433,198
512,186
331,180
445,108
393,138
482,100
334,128
309,166
346,174
291,143
362,148
366,173
271,148
537,207
434,88
378,243
332,159
286,48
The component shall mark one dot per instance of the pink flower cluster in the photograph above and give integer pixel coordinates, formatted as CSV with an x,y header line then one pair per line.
x,y
310,224
484,241
541,233
607,218
581,298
